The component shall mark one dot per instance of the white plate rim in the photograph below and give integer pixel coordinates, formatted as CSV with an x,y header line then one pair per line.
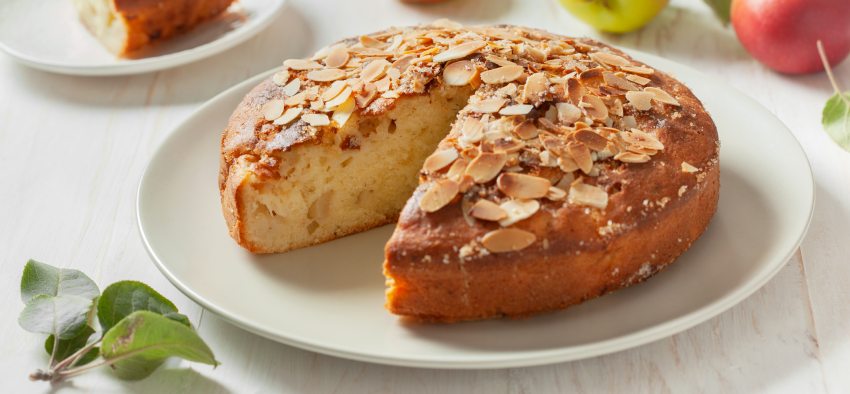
x,y
527,358
155,63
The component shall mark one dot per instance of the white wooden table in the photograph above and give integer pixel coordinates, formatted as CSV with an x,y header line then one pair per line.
x,y
72,150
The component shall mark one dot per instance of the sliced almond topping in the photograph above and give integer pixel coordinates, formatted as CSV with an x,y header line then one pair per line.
x,y
518,210
638,70
575,90
552,143
526,130
364,97
486,166
337,57
402,63
334,90
567,164
499,60
556,194
642,139
374,70
460,51
325,75
597,109
473,130
301,64
584,194
516,109
459,73
501,75
288,116
440,159
508,145
343,111
547,159
631,157
640,100
292,87
316,119
339,98
661,96
523,186
590,139
609,59
618,82
687,167
272,109
281,77
535,88
383,84
488,106
637,79
297,99
439,193
487,210
457,170
371,42
581,155
507,240
568,113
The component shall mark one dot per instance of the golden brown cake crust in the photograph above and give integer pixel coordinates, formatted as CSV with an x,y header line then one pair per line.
x,y
657,200
148,21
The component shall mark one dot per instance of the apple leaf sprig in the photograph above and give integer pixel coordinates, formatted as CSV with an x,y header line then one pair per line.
x,y
836,112
138,327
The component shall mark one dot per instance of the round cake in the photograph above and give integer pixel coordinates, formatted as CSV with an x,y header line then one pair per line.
x,y
526,171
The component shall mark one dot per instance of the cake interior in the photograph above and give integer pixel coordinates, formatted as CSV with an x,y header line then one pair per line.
x,y
101,19
358,178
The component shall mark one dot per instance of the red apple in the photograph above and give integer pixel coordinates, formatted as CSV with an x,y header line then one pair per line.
x,y
782,33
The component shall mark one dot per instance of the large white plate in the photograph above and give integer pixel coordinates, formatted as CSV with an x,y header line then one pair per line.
x,y
329,298
46,34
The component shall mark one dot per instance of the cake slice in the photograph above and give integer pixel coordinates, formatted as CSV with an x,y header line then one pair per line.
x,y
124,26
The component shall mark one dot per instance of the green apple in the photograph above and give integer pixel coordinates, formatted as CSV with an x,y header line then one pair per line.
x,y
615,16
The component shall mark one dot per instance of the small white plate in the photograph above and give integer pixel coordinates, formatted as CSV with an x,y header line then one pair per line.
x,y
329,298
47,34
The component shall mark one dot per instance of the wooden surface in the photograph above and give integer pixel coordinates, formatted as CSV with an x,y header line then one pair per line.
x,y
72,150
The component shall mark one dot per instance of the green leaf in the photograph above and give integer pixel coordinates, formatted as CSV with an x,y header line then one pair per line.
x,y
721,9
40,278
121,299
66,347
836,119
141,342
63,316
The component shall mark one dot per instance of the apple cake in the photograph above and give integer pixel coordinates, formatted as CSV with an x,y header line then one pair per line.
x,y
124,26
526,171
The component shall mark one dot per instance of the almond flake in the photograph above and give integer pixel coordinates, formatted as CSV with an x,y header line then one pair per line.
x,y
339,98
526,130
618,82
568,113
597,109
326,75
460,51
297,99
661,96
488,106
343,111
523,186
507,240
500,61
516,109
609,59
640,100
517,210
337,57
567,164
535,88
288,116
581,155
508,145
486,166
459,73
473,130
281,77
556,194
292,87
402,63
642,139
272,109
457,170
631,157
301,64
374,70
440,159
439,194
487,210
687,167
371,42
334,90
584,194
637,79
547,159
638,70
316,119
575,90
590,139
501,75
